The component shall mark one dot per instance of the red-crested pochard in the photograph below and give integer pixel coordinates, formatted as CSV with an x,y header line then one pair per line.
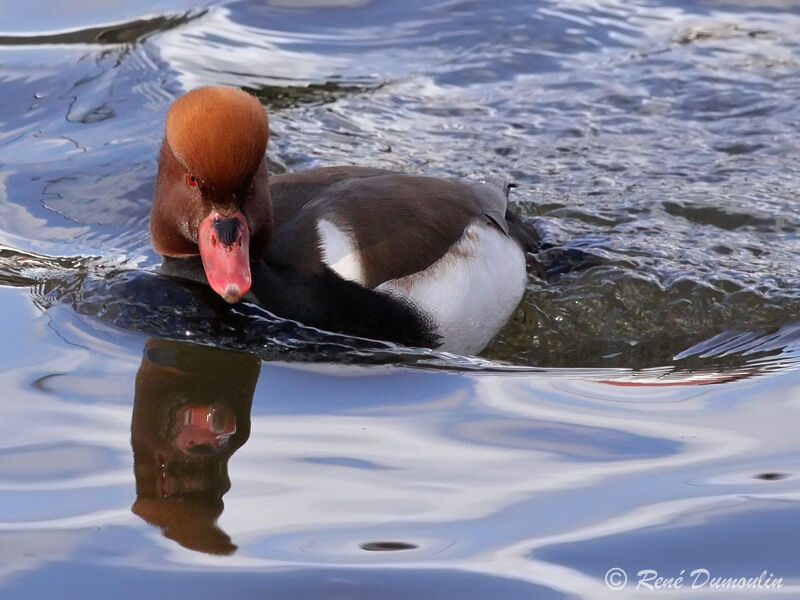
x,y
361,251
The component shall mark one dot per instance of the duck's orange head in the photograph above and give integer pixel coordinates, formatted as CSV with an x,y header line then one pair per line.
x,y
211,194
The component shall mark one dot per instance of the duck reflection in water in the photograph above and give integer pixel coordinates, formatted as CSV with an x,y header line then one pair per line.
x,y
191,412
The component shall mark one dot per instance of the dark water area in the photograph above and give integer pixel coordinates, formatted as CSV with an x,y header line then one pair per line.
x,y
638,412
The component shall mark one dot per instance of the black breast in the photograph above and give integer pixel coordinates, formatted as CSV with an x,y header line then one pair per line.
x,y
322,299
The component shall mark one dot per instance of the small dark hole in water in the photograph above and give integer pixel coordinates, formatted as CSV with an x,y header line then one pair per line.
x,y
387,546
772,476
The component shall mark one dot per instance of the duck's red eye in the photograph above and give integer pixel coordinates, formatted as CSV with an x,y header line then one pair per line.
x,y
191,180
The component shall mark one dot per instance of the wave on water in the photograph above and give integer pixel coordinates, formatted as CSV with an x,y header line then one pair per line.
x,y
115,33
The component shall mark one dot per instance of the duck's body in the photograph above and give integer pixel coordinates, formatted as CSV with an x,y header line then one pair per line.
x,y
367,252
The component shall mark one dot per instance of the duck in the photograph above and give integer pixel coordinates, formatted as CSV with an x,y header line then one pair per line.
x,y
410,259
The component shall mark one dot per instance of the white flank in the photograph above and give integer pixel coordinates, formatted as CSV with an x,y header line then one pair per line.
x,y
338,252
471,291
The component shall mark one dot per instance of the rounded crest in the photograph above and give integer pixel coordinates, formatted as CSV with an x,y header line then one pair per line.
x,y
219,135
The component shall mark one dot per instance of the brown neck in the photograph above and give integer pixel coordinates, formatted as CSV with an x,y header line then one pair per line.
x,y
257,209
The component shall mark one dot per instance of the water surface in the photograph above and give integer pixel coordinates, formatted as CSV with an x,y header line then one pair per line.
x,y
637,412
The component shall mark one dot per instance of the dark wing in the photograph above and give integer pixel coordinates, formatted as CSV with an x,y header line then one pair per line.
x,y
401,224
290,192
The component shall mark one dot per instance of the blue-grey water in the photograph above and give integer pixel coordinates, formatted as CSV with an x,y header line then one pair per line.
x,y
639,412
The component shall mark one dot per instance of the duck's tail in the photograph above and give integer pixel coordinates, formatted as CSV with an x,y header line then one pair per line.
x,y
523,231
544,259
